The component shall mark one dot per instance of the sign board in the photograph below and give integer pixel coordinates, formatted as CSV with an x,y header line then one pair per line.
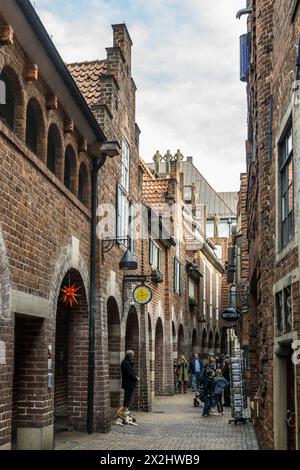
x,y
231,315
142,295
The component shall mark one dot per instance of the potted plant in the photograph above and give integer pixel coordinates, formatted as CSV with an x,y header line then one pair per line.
x,y
156,276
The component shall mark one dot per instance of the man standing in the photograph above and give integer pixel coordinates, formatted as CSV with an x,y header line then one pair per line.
x,y
226,375
196,369
129,378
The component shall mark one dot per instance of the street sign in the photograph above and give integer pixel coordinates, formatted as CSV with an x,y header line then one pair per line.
x,y
231,315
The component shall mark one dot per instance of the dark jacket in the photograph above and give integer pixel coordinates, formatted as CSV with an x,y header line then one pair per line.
x,y
226,372
208,384
129,378
192,366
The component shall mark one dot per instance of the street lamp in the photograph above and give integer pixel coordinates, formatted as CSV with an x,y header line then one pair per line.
x,y
128,261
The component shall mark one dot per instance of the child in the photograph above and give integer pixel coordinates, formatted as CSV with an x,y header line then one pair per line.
x,y
219,386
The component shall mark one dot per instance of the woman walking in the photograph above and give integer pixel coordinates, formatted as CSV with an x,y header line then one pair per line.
x,y
219,386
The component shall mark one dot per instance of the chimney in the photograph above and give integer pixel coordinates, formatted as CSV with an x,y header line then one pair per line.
x,y
123,41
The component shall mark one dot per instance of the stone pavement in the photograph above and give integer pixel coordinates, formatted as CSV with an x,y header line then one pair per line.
x,y
174,424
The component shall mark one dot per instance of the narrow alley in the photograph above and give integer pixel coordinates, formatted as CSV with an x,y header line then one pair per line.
x,y
174,424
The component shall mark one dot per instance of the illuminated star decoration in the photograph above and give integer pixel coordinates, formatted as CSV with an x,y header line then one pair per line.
x,y
69,295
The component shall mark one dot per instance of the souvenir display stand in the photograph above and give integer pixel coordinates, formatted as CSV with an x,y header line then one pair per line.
x,y
239,399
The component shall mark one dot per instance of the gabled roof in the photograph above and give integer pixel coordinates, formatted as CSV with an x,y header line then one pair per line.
x,y
86,76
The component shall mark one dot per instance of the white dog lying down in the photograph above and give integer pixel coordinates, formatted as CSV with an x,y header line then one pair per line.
x,y
123,416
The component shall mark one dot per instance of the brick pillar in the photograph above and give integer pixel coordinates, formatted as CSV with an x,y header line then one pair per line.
x,y
169,388
102,411
32,409
145,382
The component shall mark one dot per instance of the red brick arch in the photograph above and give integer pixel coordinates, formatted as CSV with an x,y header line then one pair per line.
x,y
71,358
195,345
71,169
132,341
151,355
19,112
180,341
54,138
84,184
159,358
114,351
39,116
211,342
174,341
204,345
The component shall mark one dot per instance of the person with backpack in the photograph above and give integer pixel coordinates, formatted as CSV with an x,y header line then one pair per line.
x,y
220,383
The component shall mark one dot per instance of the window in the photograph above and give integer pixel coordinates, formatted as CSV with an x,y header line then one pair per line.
x,y
32,126
192,289
284,311
177,276
8,109
210,229
68,167
83,194
122,214
155,256
132,225
286,185
125,165
217,296
52,149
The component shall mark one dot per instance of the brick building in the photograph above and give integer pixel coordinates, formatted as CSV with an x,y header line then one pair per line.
x,y
202,268
271,326
49,138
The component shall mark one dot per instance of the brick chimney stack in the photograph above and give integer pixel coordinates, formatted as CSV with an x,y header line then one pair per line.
x,y
123,40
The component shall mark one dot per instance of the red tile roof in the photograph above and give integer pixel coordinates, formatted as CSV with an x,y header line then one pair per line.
x,y
153,188
86,76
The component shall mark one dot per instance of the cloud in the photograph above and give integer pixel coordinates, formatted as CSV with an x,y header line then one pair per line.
x,y
185,64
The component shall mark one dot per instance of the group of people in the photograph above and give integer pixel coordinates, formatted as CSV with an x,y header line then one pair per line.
x,y
211,376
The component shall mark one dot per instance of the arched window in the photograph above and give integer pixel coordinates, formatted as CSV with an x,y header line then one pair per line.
x,y
52,148
32,126
83,185
8,100
69,159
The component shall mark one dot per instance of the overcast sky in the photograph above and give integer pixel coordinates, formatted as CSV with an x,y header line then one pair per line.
x,y
186,68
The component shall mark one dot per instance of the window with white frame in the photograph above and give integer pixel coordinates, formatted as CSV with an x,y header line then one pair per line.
x,y
286,185
155,256
125,165
192,289
211,294
217,296
177,276
122,213
204,289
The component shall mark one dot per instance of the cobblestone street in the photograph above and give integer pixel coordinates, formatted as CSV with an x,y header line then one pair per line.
x,y
174,424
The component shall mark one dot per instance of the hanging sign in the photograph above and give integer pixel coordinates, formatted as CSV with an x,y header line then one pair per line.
x,y
231,315
142,295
